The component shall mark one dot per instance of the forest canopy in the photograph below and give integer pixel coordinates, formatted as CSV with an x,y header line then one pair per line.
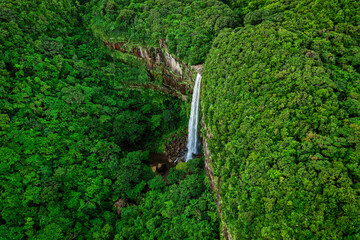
x,y
189,26
281,100
280,103
75,136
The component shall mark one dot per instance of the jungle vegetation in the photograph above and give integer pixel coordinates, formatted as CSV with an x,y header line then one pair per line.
x,y
281,99
189,26
75,137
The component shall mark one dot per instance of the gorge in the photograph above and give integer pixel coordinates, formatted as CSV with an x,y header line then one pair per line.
x,y
174,75
84,129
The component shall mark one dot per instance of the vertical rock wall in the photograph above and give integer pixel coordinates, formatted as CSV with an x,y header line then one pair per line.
x,y
161,64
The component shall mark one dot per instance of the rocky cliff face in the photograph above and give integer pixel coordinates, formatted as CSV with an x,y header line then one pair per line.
x,y
177,77
214,181
177,80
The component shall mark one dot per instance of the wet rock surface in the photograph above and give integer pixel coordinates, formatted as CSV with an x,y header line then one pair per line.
x,y
175,147
175,150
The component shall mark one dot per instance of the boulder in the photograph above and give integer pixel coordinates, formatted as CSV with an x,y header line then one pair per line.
x,y
161,167
120,204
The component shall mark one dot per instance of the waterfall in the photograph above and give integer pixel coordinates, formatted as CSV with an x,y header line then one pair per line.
x,y
193,143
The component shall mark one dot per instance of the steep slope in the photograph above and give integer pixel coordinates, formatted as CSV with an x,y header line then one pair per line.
x,y
281,104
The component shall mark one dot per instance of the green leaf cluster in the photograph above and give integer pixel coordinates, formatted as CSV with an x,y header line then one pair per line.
x,y
189,26
74,134
281,100
183,210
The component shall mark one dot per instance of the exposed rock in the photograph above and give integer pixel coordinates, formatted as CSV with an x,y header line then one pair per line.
x,y
175,75
198,68
175,146
161,167
120,204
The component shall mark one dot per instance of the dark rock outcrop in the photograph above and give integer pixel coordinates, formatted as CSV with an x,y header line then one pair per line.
x,y
159,167
175,146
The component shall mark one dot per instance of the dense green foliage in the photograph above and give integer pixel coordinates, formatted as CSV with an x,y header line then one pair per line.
x,y
74,135
185,209
189,26
281,98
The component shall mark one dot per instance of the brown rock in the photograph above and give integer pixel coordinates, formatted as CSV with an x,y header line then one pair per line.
x,y
120,204
161,167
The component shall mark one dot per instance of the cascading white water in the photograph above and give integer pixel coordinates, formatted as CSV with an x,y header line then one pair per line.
x,y
193,139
